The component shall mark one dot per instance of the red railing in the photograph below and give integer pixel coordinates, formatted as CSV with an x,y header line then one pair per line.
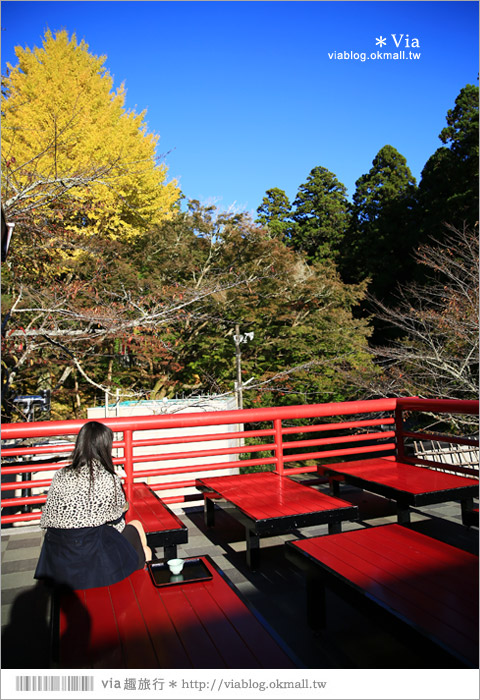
x,y
314,432
434,407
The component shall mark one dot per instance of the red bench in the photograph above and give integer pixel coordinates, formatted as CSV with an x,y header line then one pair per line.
x,y
162,526
133,624
270,504
416,580
404,483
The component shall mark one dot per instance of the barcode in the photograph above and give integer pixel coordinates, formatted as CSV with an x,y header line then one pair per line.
x,y
50,683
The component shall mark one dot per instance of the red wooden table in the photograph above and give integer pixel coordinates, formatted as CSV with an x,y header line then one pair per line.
x,y
420,582
162,526
406,484
133,624
270,504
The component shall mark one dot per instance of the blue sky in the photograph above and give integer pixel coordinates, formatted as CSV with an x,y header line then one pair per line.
x,y
249,95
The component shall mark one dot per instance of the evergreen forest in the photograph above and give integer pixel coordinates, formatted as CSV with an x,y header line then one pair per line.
x,y
116,286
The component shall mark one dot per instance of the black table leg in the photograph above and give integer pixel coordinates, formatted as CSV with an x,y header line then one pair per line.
x,y
334,528
253,549
334,486
403,514
467,507
209,512
170,551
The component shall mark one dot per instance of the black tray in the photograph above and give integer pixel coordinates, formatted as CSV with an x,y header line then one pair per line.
x,y
193,570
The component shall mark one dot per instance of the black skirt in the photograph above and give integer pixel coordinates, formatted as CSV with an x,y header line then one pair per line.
x,y
86,557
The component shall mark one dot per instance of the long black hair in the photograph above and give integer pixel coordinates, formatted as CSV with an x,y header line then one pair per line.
x,y
94,444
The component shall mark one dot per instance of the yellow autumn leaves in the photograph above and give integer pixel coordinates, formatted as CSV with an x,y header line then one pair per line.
x,y
69,143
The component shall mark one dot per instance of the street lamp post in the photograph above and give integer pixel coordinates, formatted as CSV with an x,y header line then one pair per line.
x,y
28,404
238,338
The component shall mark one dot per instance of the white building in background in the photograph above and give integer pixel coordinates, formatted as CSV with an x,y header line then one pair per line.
x,y
174,406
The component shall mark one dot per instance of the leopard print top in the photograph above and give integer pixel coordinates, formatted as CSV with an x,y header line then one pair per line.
x,y
72,503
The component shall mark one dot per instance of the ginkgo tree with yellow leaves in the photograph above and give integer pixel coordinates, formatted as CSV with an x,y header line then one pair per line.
x,y
70,147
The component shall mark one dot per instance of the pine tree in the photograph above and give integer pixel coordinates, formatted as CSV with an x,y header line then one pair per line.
x,y
321,215
381,237
275,212
448,190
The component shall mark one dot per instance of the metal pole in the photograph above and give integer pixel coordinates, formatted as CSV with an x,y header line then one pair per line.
x,y
238,362
27,476
128,464
277,424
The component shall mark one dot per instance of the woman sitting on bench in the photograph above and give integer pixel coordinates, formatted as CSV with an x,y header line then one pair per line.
x,y
87,543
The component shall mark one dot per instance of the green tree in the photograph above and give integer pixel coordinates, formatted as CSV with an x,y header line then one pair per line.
x,y
300,313
155,316
435,354
448,189
275,213
321,215
382,235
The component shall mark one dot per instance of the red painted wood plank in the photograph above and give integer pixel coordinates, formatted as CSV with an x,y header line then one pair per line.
x,y
168,647
144,498
266,495
229,644
74,625
446,556
393,546
205,617
104,647
399,475
262,645
133,624
138,650
154,514
194,636
88,632
421,619
269,507
152,522
455,627
424,579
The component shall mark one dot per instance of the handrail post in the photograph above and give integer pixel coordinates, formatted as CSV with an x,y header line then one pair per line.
x,y
277,423
128,455
399,431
